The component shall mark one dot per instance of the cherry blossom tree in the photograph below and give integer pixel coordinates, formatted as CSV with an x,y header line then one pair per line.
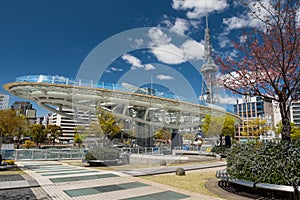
x,y
267,64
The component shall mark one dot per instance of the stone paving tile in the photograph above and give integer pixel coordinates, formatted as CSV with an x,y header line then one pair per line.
x,y
57,190
166,195
17,194
68,173
40,193
13,184
93,183
60,170
104,189
38,169
13,177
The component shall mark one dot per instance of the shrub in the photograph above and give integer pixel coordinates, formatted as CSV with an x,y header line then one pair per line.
x,y
29,144
270,163
102,153
220,149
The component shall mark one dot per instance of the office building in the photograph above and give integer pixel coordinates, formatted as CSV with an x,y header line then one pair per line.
x,y
295,112
25,108
68,124
4,100
250,108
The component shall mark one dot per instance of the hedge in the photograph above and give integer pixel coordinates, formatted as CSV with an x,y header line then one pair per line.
x,y
274,163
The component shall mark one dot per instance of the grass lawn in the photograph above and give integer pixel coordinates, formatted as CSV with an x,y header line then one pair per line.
x,y
192,181
130,166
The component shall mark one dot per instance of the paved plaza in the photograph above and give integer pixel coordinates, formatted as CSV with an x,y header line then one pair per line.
x,y
55,180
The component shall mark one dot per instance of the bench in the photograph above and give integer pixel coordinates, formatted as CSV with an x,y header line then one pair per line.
x,y
222,174
271,188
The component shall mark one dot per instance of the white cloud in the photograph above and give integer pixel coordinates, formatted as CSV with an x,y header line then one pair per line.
x,y
240,21
164,77
242,38
171,54
135,62
107,71
136,43
235,22
233,54
224,42
158,37
116,69
180,26
246,19
196,8
192,50
227,100
149,67
238,79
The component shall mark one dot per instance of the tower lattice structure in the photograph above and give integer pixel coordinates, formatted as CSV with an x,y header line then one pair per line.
x,y
209,71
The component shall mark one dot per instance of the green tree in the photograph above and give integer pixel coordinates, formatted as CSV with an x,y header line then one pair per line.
x,y
163,134
295,130
53,131
109,123
12,124
28,144
188,136
256,127
229,127
78,139
295,133
218,125
38,133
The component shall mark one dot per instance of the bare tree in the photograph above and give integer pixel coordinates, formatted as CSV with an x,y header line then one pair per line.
x,y
268,61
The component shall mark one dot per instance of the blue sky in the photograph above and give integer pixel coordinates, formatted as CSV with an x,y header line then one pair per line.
x,y
56,37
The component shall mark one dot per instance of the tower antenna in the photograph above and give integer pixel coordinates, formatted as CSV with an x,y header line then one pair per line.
x,y
209,69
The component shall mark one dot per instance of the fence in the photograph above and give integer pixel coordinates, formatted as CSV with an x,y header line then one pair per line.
x,y
60,154
43,154
146,150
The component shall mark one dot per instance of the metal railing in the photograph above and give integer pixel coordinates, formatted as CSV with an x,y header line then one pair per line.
x,y
43,154
146,150
92,84
61,154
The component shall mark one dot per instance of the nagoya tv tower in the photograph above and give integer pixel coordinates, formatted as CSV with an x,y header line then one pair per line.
x,y
209,71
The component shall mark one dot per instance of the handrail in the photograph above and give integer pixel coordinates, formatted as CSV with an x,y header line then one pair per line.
x,y
89,83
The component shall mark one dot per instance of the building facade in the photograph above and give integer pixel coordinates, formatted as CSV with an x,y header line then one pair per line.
x,y
25,108
68,124
4,100
249,109
295,112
